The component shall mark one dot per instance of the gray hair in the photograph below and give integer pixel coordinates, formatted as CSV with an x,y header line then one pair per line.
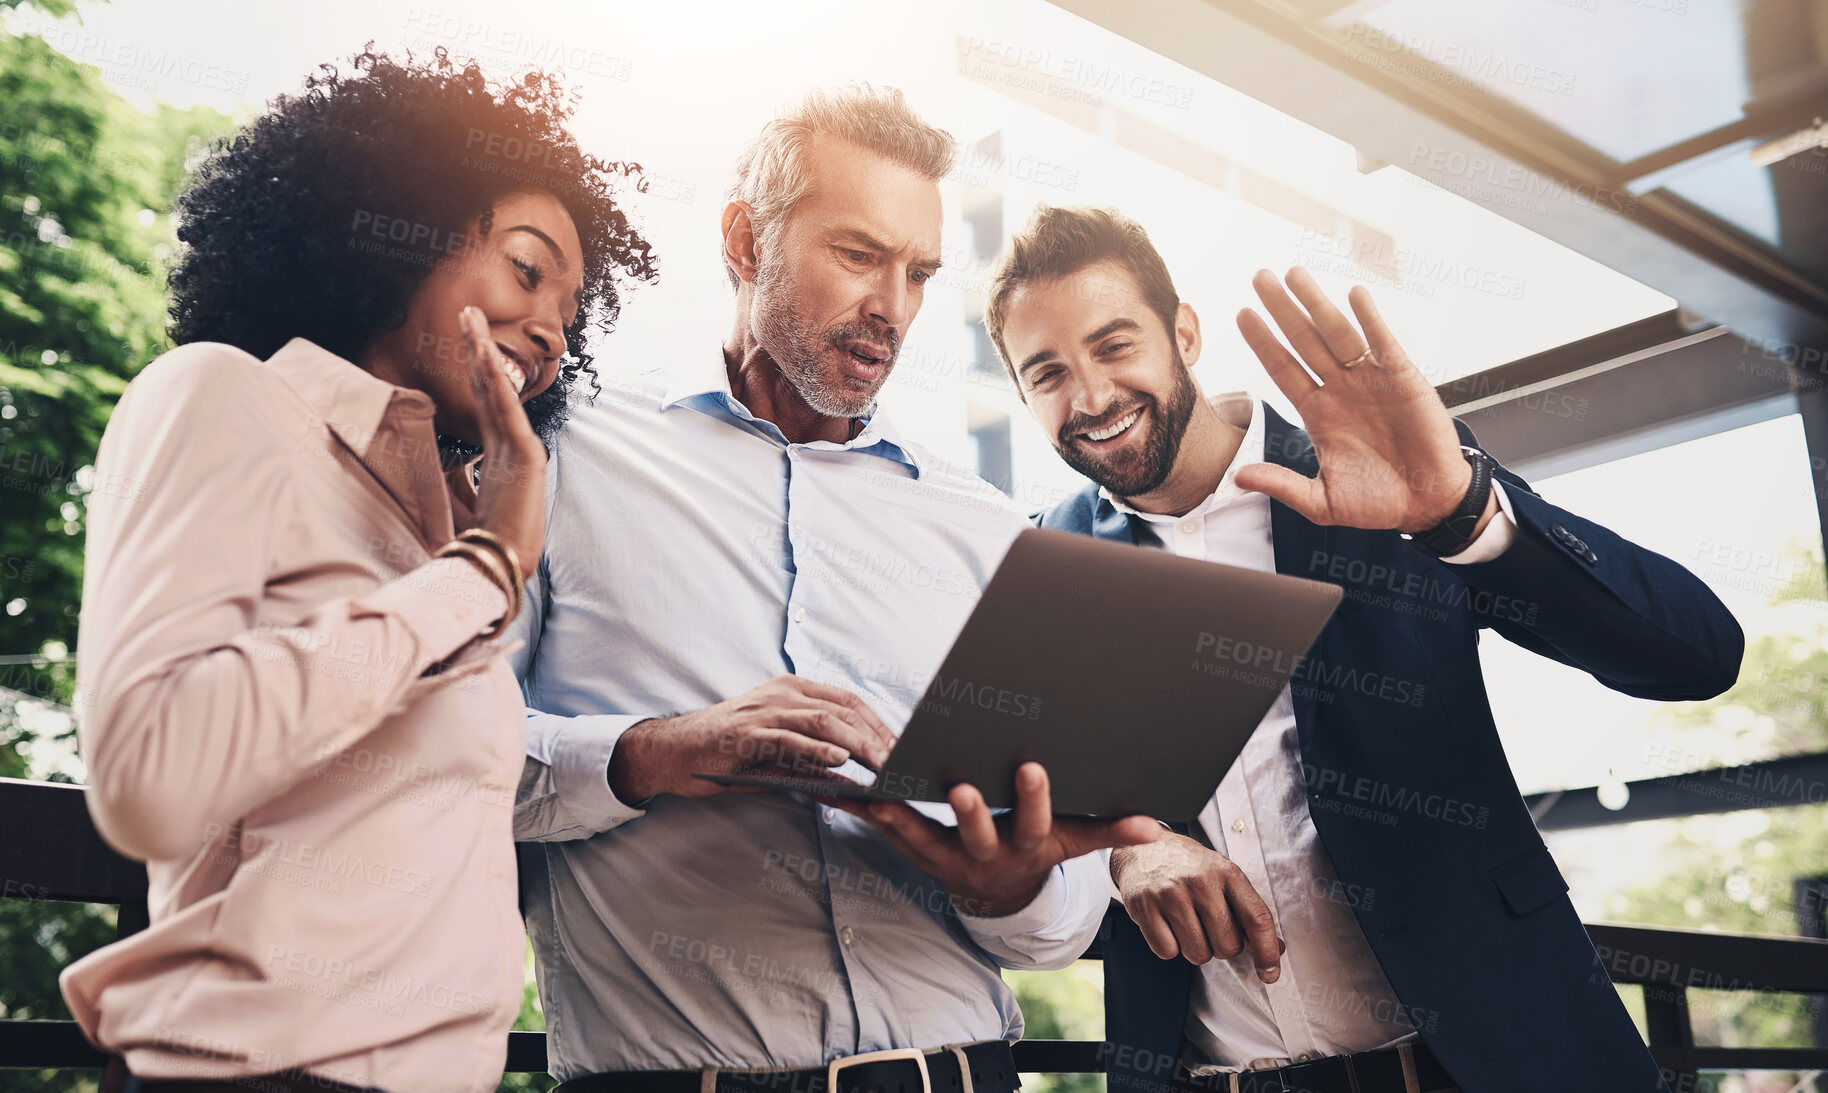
x,y
772,175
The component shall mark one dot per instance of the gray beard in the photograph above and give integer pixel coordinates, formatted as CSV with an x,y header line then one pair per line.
x,y
796,348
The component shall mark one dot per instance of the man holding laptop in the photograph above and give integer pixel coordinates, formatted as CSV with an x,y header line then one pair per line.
x,y
751,541
1367,900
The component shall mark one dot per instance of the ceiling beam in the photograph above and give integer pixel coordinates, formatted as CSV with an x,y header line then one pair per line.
x,y
1585,403
1521,172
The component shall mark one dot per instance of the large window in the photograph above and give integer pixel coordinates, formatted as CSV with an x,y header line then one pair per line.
x,y
1737,509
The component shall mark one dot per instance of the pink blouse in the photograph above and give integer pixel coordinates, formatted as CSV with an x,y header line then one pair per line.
x,y
324,812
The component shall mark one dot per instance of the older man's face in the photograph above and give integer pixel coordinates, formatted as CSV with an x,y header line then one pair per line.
x,y
842,277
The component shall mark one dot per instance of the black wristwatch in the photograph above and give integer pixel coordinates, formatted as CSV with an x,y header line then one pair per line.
x,y
1455,533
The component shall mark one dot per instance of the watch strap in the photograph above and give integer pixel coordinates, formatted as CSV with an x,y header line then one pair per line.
x,y
1455,533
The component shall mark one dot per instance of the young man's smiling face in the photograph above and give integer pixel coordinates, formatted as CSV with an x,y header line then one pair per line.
x,y
1105,379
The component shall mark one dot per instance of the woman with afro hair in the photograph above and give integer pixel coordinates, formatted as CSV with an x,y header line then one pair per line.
x,y
311,519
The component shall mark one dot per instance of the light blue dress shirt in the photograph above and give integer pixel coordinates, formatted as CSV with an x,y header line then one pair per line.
x,y
693,553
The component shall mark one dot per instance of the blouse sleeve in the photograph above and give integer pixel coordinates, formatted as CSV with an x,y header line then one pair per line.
x,y
193,710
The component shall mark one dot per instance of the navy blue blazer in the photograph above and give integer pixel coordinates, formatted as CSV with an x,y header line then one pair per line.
x,y
1413,798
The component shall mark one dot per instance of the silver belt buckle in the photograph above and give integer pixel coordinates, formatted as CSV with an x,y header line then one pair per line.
x,y
918,1056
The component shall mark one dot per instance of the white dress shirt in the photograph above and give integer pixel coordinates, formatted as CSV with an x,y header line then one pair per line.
x,y
693,553
1331,998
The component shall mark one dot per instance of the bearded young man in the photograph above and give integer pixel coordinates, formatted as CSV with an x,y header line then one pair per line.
x,y
1369,906
754,541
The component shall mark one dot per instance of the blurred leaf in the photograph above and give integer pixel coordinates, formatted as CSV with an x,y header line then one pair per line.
x,y
1062,1005
81,310
86,182
1736,872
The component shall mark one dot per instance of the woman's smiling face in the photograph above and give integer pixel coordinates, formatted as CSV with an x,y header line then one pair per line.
x,y
525,275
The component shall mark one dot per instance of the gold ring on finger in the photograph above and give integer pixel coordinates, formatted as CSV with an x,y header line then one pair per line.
x,y
1367,355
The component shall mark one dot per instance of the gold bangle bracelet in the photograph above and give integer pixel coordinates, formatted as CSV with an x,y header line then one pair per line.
x,y
492,571
490,561
505,556
510,579
486,538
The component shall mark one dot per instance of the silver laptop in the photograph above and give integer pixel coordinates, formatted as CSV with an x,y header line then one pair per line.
x,y
1133,675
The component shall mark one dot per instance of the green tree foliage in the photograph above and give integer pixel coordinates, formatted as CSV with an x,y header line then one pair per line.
x,y
1062,1005
86,182
530,1019
1736,872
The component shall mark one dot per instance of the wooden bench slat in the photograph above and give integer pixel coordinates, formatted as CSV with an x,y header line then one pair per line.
x,y
52,850
47,1045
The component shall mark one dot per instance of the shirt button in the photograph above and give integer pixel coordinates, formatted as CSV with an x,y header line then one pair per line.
x,y
793,454
830,815
1238,826
847,935
1188,527
799,614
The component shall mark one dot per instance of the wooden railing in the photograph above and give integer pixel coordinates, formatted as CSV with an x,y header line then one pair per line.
x,y
51,850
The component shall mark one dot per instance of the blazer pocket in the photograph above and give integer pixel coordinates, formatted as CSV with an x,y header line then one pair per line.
x,y
1529,882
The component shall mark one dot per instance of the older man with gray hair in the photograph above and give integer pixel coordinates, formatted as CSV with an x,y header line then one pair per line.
x,y
754,526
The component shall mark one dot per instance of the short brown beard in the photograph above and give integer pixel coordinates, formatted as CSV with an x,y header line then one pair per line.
x,y
1169,425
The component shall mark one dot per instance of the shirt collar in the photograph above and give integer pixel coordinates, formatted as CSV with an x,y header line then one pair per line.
x,y
695,376
704,386
387,428
1234,408
350,400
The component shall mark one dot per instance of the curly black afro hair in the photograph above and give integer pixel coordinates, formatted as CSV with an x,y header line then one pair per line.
x,y
269,224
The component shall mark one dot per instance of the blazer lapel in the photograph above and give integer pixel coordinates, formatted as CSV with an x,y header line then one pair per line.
x,y
1294,538
1290,533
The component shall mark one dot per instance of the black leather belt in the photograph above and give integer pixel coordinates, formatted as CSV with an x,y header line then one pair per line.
x,y
990,1066
1366,1072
